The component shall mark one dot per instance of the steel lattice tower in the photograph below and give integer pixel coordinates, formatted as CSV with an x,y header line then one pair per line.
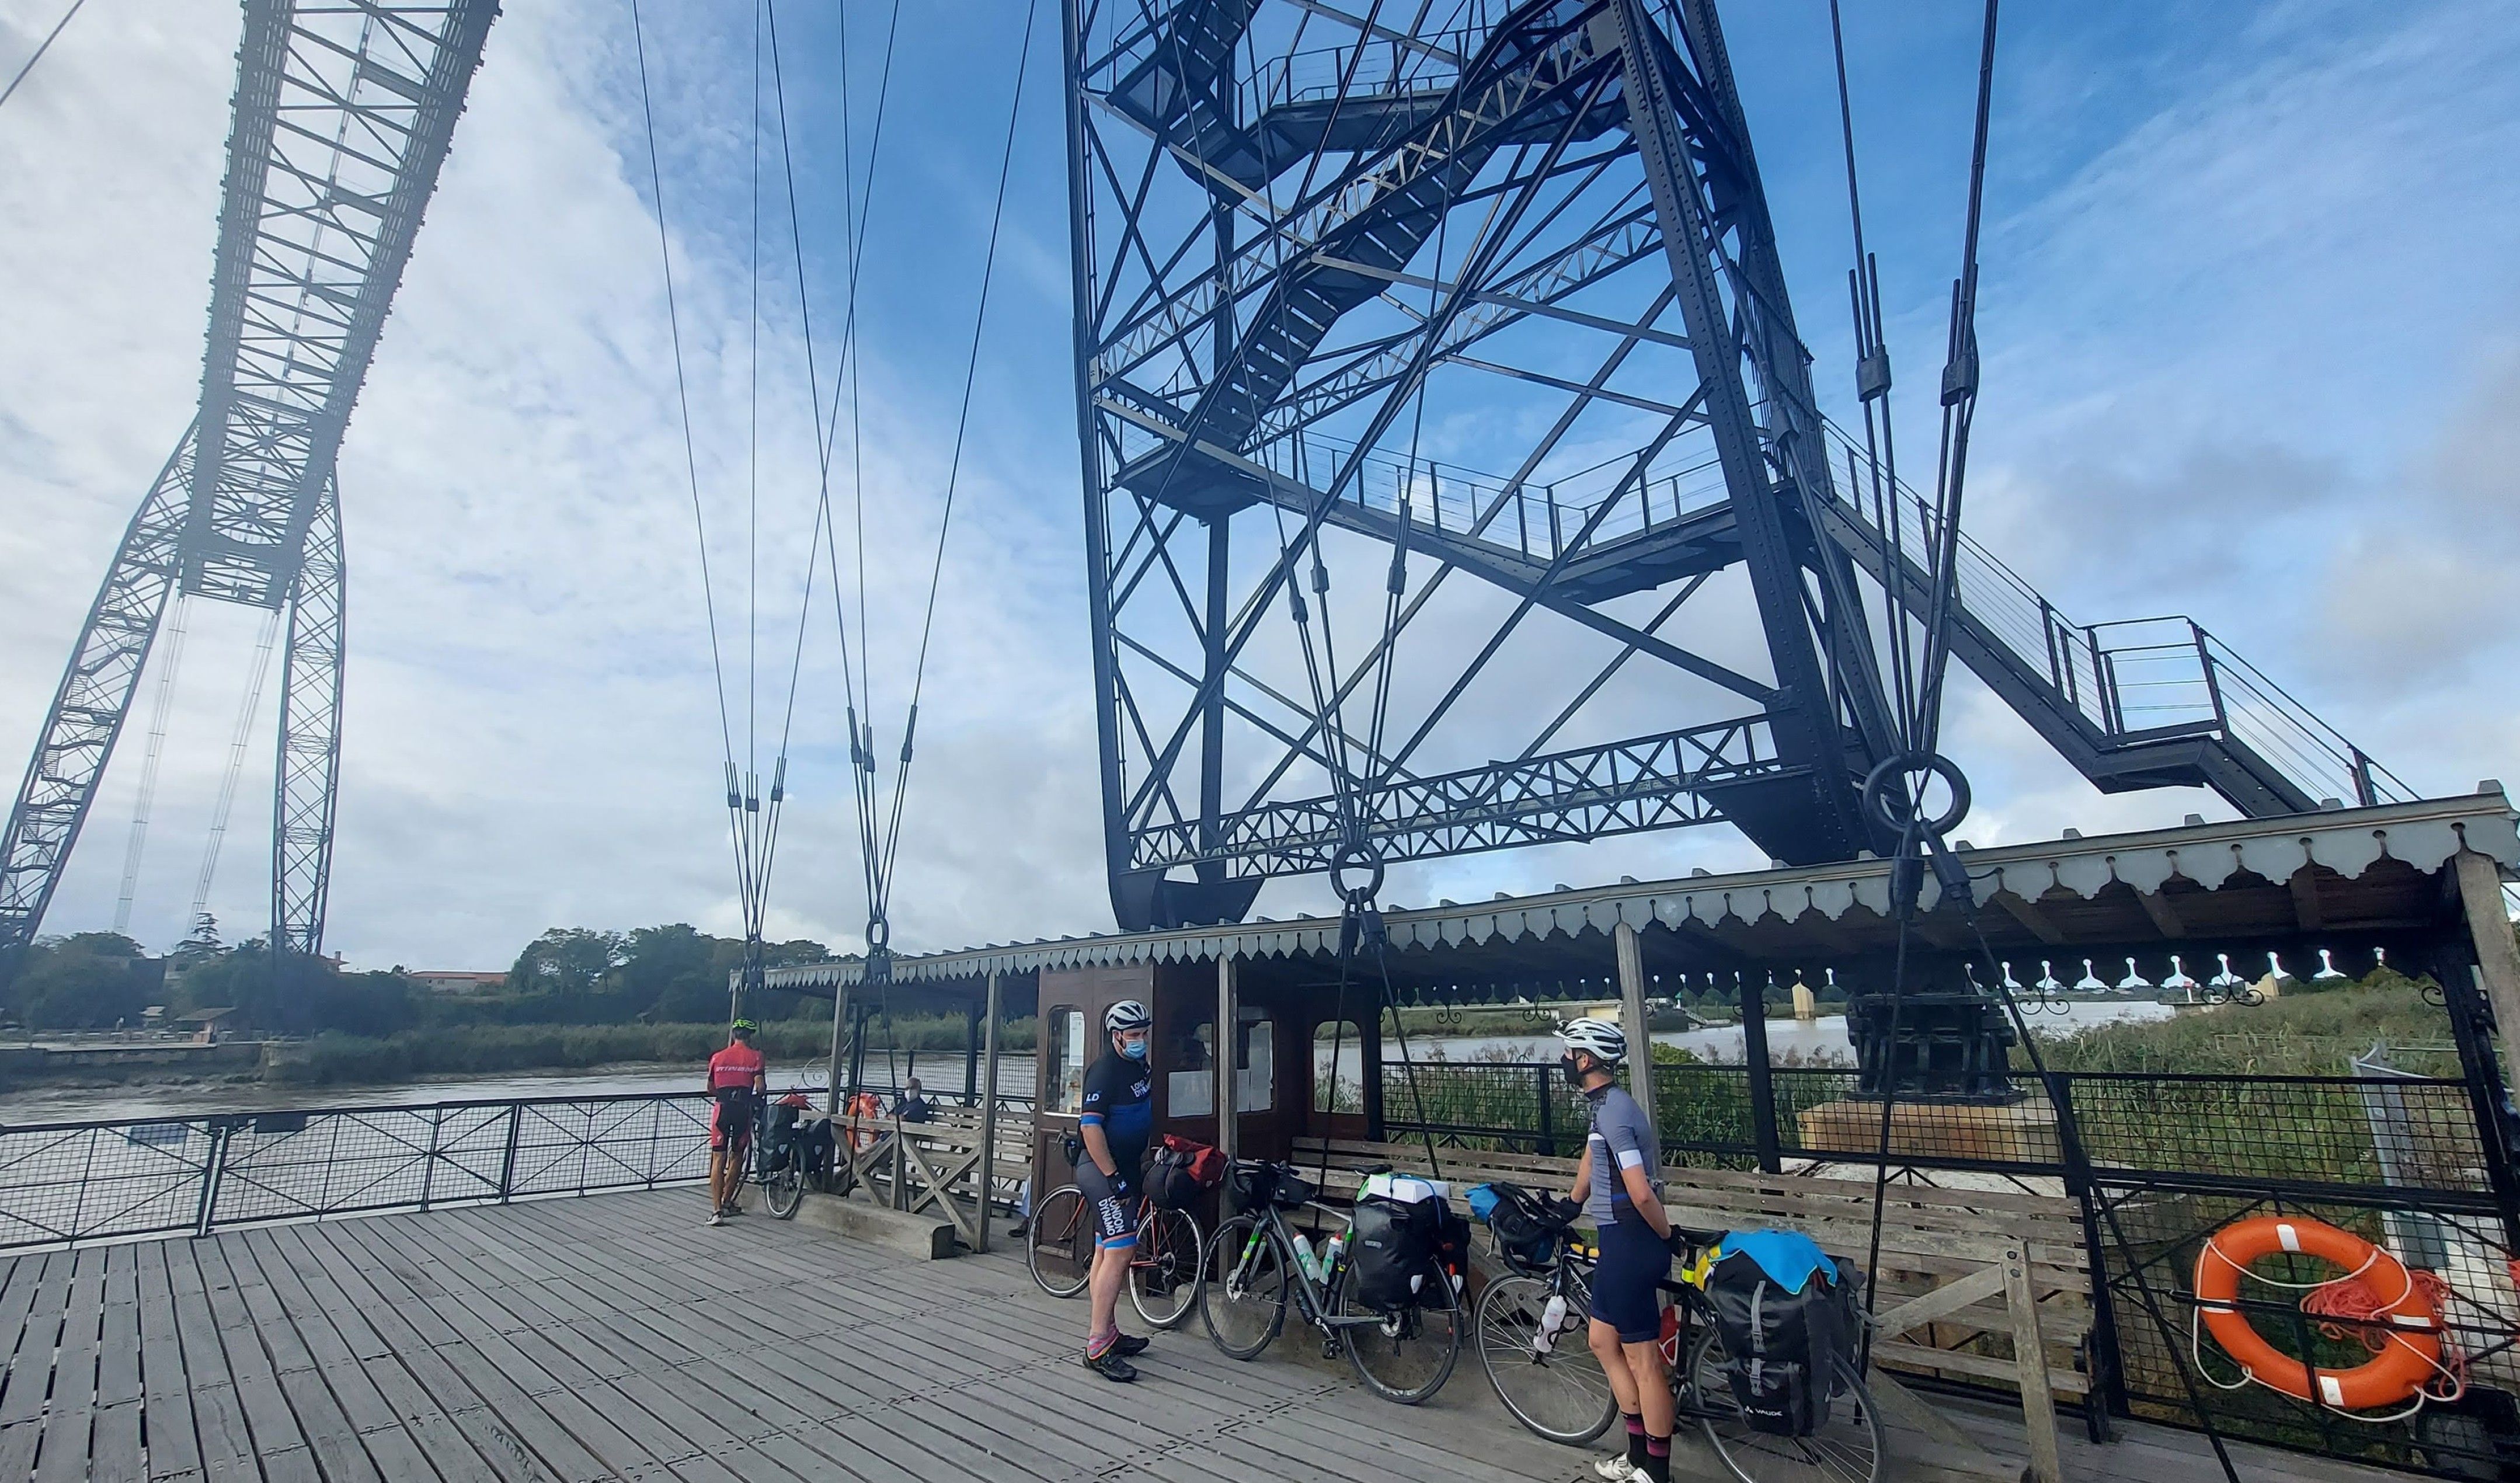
x,y
1300,237
342,116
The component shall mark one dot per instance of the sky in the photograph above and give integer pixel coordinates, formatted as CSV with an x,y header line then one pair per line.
x,y
2249,310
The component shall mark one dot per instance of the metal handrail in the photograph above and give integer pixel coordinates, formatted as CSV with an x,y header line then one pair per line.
x,y
123,1178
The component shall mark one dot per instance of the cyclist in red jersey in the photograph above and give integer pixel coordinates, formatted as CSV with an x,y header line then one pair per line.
x,y
737,1082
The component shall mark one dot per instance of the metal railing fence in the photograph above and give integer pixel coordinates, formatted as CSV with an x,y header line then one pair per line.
x,y
2312,1132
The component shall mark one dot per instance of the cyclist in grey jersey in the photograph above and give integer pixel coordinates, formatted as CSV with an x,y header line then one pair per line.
x,y
1619,1187
1621,1139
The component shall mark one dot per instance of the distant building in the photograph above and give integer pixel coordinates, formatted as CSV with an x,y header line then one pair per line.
x,y
457,981
208,1026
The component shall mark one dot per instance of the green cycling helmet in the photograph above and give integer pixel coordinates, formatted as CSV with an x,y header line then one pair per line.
x,y
745,1027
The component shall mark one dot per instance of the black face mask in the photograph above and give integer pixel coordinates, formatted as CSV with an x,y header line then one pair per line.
x,y
1573,1066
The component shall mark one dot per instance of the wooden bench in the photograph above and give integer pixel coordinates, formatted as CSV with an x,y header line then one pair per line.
x,y
1982,1285
935,1164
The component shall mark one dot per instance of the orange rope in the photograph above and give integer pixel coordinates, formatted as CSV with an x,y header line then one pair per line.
x,y
2359,1312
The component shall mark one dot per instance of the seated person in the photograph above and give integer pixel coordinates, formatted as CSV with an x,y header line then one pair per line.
x,y
913,1105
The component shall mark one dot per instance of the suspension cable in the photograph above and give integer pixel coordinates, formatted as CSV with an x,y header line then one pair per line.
x,y
42,47
682,388
161,711
266,638
1960,411
954,466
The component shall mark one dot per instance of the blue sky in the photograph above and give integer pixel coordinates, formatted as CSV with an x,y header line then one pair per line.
x,y
2250,311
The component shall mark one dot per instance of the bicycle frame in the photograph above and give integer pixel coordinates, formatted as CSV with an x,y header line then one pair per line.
x,y
1312,1298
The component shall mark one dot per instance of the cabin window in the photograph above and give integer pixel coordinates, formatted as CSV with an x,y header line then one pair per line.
x,y
1255,1061
1339,1087
1190,1087
1067,1065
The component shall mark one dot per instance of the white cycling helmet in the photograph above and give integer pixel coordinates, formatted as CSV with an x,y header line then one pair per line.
x,y
1604,1041
1127,1015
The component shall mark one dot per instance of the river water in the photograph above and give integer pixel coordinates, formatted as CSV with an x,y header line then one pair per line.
x,y
1817,1041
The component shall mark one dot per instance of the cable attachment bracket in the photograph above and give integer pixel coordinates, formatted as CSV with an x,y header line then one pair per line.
x,y
879,953
1356,873
1896,793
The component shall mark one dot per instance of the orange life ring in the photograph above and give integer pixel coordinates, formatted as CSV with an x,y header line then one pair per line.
x,y
2405,1363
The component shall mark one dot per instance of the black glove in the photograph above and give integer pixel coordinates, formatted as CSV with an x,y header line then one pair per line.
x,y
1677,1245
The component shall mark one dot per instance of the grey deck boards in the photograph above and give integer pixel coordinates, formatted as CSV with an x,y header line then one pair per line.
x,y
616,1337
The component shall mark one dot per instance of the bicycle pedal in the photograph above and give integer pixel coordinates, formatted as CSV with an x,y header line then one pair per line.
x,y
1330,1349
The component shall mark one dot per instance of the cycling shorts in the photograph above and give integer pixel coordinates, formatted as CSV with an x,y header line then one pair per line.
x,y
731,1118
1113,1203
1627,1280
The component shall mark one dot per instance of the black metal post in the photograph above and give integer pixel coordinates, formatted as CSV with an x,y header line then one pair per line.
x,y
971,1056
219,1128
1763,1085
429,1159
2471,1021
1548,1129
1369,1076
508,1159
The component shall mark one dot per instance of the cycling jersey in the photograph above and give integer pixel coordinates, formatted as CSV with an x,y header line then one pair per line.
x,y
1119,1099
735,1069
1621,1139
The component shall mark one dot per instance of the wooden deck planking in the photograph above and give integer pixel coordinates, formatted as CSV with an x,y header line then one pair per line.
x,y
616,1337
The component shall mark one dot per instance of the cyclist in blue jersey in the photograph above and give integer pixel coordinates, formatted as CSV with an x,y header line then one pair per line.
x,y
1620,1187
1118,1114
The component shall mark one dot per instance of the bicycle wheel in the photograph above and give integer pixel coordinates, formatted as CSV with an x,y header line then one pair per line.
x,y
1243,1297
1552,1382
1846,1447
1164,1270
1409,1355
1059,1248
784,1192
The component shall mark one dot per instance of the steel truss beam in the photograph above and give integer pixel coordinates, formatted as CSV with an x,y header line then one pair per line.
x,y
1285,235
343,114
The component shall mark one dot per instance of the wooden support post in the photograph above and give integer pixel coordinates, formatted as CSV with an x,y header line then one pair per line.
x,y
839,1020
1631,1017
2030,1360
1227,1008
989,1105
2497,960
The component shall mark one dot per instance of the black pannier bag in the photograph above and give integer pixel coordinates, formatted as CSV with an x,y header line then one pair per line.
x,y
1169,1181
777,1142
1783,1345
1392,1248
1254,1182
1528,1227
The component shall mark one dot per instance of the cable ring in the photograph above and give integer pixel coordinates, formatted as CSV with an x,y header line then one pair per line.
x,y
1883,804
1356,857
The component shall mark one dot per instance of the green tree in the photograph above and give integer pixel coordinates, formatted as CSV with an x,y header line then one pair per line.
x,y
569,964
674,973
71,985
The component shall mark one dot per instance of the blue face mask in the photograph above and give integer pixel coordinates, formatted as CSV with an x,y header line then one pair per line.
x,y
1135,1050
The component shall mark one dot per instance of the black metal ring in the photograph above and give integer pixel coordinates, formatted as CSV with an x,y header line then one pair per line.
x,y
879,934
1883,804
1356,857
